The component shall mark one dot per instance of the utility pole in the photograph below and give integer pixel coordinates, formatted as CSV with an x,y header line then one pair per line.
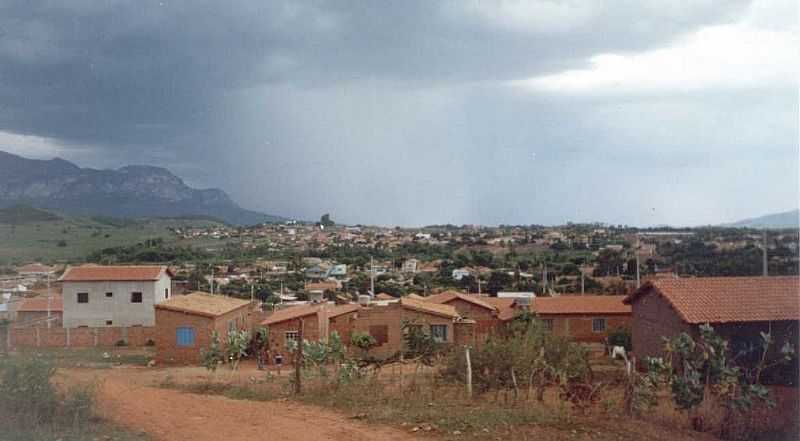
x,y
582,282
638,279
372,276
49,301
212,279
298,360
764,255
479,284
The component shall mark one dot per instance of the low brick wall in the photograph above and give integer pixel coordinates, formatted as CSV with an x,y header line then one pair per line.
x,y
20,338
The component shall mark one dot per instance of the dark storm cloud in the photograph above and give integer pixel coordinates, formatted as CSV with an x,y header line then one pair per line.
x,y
389,112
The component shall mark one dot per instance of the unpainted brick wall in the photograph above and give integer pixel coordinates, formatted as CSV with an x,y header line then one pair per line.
x,y
58,337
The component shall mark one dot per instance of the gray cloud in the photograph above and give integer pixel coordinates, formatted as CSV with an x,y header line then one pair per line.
x,y
392,113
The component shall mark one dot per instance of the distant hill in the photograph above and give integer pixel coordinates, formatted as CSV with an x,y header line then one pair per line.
x,y
24,214
788,219
128,192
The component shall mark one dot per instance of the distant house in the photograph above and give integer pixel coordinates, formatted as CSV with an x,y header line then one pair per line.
x,y
35,270
113,295
585,319
34,312
337,271
318,271
739,309
410,266
184,324
460,273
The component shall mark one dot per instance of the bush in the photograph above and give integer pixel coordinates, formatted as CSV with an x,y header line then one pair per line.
x,y
26,391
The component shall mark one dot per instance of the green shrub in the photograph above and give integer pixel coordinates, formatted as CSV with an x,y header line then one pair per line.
x,y
26,391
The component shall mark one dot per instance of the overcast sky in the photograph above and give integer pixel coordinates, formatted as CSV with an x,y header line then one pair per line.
x,y
410,113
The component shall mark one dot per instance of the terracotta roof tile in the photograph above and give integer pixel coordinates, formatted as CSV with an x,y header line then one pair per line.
x,y
429,307
384,296
295,312
449,296
505,307
728,299
96,273
38,304
201,303
580,305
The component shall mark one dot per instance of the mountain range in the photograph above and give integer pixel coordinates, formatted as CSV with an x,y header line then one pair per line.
x,y
787,219
127,192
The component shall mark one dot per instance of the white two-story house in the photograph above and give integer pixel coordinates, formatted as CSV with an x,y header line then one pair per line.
x,y
98,296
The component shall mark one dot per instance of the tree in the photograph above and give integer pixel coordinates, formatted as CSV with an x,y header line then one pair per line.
x,y
326,221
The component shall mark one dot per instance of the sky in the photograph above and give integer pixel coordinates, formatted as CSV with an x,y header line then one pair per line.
x,y
412,113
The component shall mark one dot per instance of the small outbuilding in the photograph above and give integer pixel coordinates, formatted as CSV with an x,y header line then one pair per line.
x,y
184,324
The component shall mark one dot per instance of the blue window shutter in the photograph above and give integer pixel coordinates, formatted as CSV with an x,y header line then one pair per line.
x,y
184,336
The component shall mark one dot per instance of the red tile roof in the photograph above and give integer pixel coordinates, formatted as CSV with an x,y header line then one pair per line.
x,y
38,304
384,296
449,296
295,312
505,307
98,273
728,299
429,307
203,304
580,305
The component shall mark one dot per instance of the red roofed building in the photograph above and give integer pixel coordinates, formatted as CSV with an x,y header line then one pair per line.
x,y
586,318
318,321
33,312
97,296
739,309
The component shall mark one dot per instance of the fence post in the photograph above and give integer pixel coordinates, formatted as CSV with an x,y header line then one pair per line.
x,y
38,337
67,336
469,372
298,360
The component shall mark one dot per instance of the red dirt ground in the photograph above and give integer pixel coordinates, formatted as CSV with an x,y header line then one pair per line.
x,y
170,415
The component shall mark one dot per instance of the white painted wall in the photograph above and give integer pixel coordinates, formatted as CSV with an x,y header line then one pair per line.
x,y
118,308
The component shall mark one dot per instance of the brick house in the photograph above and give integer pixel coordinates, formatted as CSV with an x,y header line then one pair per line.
x,y
184,324
488,313
586,319
385,324
33,311
318,321
739,309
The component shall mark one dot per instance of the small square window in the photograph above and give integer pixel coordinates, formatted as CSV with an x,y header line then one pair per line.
x,y
166,293
439,333
109,322
83,297
109,295
184,337
136,297
547,324
292,336
598,325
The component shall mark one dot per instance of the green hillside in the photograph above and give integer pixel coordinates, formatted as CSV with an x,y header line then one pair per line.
x,y
28,234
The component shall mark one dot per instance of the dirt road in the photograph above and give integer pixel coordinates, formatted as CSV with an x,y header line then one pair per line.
x,y
169,415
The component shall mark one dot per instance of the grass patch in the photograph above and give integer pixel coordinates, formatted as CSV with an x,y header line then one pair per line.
x,y
32,409
90,357
95,429
254,392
